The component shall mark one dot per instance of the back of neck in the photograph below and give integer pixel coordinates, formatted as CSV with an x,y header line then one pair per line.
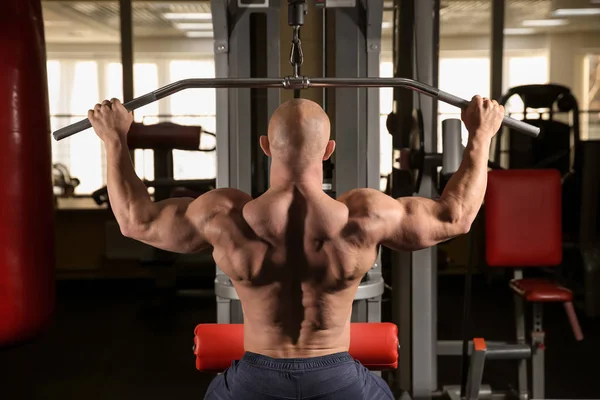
x,y
284,176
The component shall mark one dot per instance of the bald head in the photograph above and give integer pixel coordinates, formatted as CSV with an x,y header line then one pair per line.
x,y
299,130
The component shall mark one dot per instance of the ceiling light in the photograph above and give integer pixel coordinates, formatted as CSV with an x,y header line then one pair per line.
x,y
545,22
188,16
575,12
194,26
199,34
519,31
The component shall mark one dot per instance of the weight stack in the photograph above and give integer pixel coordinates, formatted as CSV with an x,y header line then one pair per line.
x,y
27,258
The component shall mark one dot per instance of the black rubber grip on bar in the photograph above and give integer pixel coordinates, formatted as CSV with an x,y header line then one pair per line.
x,y
84,124
72,129
508,122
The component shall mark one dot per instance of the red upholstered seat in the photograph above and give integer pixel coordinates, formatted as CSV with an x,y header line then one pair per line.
x,y
216,346
523,227
538,290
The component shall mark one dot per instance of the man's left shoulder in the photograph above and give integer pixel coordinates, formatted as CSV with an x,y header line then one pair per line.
x,y
220,202
361,201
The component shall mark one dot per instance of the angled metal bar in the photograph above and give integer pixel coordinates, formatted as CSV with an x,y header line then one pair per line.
x,y
294,83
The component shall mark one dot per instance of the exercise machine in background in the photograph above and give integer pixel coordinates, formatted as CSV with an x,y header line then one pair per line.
x,y
413,126
530,237
555,110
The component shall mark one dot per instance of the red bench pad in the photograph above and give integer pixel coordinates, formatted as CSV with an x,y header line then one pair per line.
x,y
375,345
538,290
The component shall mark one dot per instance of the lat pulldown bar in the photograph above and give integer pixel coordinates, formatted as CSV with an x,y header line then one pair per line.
x,y
295,83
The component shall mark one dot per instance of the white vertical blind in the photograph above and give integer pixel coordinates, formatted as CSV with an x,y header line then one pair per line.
x,y
76,85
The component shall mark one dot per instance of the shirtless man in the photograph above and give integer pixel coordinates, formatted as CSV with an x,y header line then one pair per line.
x,y
294,255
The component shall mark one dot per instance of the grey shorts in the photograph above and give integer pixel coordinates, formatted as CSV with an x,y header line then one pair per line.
x,y
333,377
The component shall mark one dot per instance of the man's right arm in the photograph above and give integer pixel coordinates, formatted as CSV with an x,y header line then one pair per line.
x,y
419,222
414,223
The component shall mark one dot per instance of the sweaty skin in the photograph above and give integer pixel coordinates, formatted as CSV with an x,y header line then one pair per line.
x,y
294,255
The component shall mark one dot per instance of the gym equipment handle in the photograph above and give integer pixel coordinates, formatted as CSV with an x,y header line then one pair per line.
x,y
508,122
295,83
508,352
82,125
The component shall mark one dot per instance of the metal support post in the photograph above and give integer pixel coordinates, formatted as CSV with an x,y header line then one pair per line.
x,y
219,9
351,127
373,309
497,65
126,16
521,339
357,55
374,21
402,314
424,262
373,32
236,117
221,42
537,359
359,311
163,169
404,19
223,310
497,54
452,152
415,276
476,370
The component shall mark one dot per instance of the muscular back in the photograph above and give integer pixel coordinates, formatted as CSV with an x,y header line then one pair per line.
x,y
296,259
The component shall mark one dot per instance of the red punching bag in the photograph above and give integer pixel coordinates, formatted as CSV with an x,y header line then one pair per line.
x,y
26,204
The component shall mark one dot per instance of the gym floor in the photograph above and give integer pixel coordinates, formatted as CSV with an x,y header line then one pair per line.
x,y
114,340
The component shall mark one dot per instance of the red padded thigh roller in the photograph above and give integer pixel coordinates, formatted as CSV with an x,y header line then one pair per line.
x,y
375,345
165,135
